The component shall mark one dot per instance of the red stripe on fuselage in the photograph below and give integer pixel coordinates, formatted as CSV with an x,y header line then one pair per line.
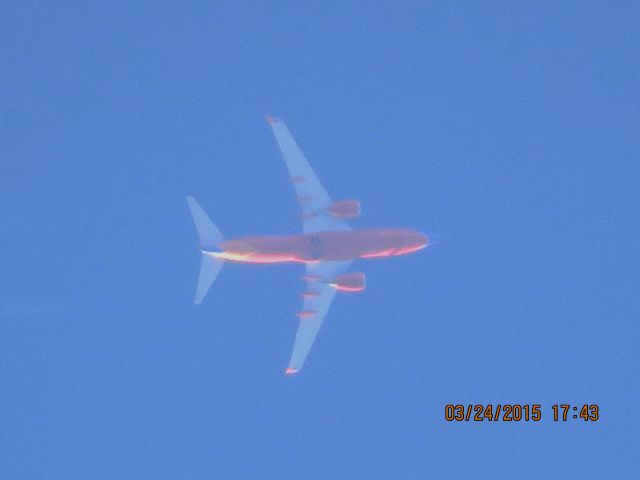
x,y
323,246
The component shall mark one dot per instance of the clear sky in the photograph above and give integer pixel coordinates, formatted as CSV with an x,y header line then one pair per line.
x,y
509,130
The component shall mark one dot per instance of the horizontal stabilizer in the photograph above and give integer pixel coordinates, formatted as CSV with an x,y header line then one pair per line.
x,y
209,237
208,234
210,267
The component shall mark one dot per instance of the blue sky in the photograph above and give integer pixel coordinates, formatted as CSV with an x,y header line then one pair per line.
x,y
508,130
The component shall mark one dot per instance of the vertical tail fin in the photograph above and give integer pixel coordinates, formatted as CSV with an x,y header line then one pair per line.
x,y
209,237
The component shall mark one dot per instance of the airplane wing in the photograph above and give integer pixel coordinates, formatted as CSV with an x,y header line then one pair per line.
x,y
317,300
311,195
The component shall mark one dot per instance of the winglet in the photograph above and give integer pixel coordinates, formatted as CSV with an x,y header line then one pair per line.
x,y
291,371
272,119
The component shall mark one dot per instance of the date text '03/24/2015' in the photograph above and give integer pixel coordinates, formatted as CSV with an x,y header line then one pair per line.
x,y
514,412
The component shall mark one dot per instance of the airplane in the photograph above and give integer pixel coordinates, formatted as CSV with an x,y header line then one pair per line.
x,y
327,246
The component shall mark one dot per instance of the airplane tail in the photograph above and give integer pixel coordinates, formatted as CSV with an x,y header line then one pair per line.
x,y
209,237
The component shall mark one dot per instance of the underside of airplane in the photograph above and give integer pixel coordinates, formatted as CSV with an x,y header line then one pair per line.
x,y
327,247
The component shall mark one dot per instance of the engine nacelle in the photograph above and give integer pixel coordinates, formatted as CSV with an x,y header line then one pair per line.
x,y
345,209
350,282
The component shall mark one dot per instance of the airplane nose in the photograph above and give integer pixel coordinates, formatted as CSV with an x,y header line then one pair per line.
x,y
422,239
434,238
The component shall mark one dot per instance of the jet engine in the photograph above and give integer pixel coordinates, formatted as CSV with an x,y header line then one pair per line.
x,y
350,282
345,209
